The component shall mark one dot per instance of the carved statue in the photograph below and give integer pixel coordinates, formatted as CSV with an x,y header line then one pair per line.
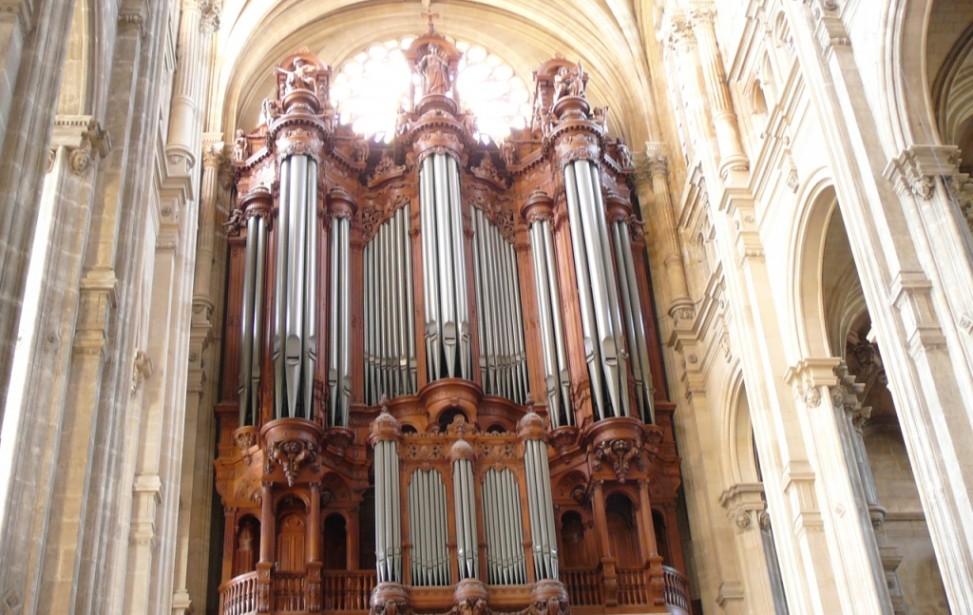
x,y
624,155
301,78
434,71
360,150
569,83
241,147
270,109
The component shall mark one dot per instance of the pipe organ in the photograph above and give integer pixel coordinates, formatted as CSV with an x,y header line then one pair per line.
x,y
485,428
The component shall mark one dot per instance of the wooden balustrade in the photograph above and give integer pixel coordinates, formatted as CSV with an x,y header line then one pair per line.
x,y
583,586
238,596
347,590
676,588
633,586
288,591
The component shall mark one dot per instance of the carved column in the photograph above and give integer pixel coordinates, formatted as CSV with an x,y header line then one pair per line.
x,y
198,21
268,534
732,157
651,174
608,576
312,590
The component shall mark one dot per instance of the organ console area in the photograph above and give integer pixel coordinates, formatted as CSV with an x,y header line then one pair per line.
x,y
442,387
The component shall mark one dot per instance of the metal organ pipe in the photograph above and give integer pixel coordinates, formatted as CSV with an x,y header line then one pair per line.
x,y
427,513
604,341
388,521
541,510
444,270
635,321
252,321
390,355
503,361
295,335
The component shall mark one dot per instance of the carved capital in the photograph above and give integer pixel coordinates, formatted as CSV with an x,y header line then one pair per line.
x,y
679,35
620,453
743,503
209,21
809,376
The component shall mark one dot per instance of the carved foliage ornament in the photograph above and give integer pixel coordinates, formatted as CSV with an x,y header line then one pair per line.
x,y
291,455
620,453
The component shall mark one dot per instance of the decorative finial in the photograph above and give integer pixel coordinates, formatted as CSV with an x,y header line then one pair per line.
x,y
430,16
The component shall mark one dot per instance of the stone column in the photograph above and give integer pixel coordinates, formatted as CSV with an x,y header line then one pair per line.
x,y
732,157
651,174
39,384
197,470
744,504
33,40
198,21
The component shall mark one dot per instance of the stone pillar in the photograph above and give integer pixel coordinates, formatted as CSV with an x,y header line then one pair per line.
x,y
197,471
198,21
39,384
732,157
651,173
744,504
33,40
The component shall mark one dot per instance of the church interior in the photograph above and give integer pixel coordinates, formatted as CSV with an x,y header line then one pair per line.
x,y
485,307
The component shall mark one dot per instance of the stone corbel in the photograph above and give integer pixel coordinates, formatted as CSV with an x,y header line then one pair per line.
x,y
915,170
84,138
141,369
744,504
809,376
829,29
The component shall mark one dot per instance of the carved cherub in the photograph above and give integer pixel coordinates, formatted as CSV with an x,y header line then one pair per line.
x,y
241,147
270,109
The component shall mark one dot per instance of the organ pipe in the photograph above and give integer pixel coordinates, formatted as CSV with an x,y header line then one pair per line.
x,y
427,527
541,509
601,320
295,351
634,321
252,320
503,527
503,359
389,353
556,377
339,377
444,269
388,524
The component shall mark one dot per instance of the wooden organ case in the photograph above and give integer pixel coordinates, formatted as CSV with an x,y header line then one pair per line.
x,y
443,389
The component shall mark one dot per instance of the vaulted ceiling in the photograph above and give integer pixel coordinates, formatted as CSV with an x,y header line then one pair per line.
x,y
610,37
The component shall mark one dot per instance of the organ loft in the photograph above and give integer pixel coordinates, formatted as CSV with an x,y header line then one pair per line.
x,y
442,388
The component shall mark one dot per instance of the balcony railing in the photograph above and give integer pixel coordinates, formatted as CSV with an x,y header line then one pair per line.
x,y
350,591
677,588
238,596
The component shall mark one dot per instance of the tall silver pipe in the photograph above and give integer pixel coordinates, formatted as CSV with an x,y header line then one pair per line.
x,y
256,350
546,326
280,294
555,295
430,269
533,513
398,320
294,300
459,256
489,527
447,273
637,337
310,306
334,359
345,330
380,519
442,551
483,317
413,532
578,241
246,331
409,300
605,295
506,533
369,303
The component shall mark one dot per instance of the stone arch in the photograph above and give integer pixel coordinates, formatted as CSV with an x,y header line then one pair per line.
x,y
817,204
739,459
